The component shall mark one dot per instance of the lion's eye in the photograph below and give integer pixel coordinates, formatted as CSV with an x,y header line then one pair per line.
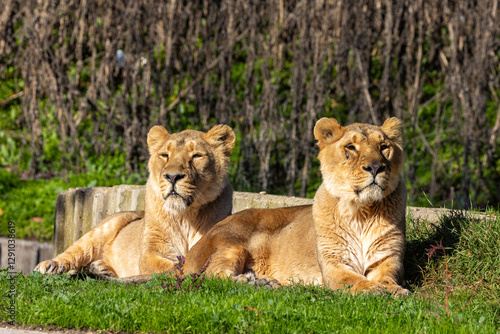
x,y
164,156
384,149
349,147
196,156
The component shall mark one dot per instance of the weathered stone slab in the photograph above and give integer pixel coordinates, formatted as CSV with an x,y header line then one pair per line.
x,y
44,252
25,261
26,254
242,201
78,210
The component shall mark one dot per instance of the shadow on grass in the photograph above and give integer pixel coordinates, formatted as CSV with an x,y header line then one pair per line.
x,y
447,231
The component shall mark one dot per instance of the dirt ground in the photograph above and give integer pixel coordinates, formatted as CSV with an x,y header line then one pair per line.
x,y
5,328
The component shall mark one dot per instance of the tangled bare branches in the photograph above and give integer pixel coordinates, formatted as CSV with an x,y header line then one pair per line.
x,y
271,69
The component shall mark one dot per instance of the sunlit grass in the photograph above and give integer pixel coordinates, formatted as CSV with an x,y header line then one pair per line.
x,y
463,298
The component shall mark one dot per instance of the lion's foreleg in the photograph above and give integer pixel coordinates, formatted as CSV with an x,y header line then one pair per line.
x,y
152,263
341,277
227,261
381,279
157,253
89,247
389,273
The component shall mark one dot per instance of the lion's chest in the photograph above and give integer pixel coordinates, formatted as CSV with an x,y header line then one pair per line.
x,y
363,244
183,237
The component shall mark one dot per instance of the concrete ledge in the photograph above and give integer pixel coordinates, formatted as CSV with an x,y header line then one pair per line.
x,y
80,209
27,254
242,201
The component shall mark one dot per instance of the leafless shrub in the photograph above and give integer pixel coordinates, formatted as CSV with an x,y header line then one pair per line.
x,y
271,69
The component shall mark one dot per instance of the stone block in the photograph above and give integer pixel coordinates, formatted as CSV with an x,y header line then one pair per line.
x,y
78,210
26,255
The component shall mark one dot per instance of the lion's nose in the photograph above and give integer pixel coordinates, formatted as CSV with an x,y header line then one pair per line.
x,y
173,178
374,168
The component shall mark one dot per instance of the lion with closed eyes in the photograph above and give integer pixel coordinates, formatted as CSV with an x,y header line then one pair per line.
x,y
187,193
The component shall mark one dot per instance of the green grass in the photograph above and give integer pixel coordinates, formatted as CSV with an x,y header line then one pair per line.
x,y
31,204
224,306
471,284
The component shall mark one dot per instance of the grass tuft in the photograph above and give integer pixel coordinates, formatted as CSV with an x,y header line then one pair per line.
x,y
183,282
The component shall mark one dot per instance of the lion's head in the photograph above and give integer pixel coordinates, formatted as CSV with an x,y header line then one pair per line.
x,y
360,163
189,168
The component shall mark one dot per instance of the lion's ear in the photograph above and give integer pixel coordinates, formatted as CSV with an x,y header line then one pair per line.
x,y
327,130
156,137
392,129
221,136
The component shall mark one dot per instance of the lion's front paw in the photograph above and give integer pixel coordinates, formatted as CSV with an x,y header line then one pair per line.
x,y
248,278
52,267
253,279
101,268
368,286
267,282
154,264
400,291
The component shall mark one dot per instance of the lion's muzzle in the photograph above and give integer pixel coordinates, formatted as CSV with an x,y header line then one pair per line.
x,y
173,178
374,168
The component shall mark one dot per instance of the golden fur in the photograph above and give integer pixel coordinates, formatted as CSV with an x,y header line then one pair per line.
x,y
187,192
353,236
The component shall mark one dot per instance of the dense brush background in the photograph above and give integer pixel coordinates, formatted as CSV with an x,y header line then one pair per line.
x,y
269,69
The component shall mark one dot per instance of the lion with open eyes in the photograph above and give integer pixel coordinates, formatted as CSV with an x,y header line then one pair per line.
x,y
187,192
353,236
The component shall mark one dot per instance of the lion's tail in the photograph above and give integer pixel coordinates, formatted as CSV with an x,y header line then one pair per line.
x,y
89,247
